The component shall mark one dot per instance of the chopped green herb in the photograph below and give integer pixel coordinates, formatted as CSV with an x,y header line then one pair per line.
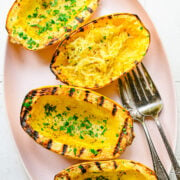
x,y
42,16
89,48
55,12
104,37
49,109
75,150
141,28
81,137
53,4
94,151
45,124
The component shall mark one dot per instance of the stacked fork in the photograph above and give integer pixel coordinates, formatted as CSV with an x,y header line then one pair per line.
x,y
141,97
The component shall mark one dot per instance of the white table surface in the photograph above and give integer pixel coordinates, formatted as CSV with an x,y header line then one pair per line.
x,y
164,14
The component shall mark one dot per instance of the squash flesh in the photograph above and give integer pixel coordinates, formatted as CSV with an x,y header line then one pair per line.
x,y
34,23
76,121
107,170
102,52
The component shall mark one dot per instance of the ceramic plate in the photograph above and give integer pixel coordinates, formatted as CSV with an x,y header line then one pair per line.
x,y
25,70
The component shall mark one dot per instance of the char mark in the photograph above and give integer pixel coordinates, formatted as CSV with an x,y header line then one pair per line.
x,y
52,41
24,117
81,29
29,131
54,56
67,37
43,91
101,101
90,10
35,135
115,165
65,146
33,93
83,170
86,96
110,16
54,90
94,21
80,20
98,165
118,145
114,110
49,144
81,152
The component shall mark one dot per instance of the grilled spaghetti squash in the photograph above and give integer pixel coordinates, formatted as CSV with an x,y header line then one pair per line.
x,y
107,170
36,24
101,51
76,122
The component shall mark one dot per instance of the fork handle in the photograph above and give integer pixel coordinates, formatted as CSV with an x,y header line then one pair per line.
x,y
158,166
169,150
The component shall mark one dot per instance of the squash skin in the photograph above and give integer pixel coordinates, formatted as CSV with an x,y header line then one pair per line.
x,y
121,166
79,20
84,153
57,69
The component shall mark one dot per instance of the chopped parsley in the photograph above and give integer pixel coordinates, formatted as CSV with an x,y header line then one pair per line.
x,y
49,109
94,152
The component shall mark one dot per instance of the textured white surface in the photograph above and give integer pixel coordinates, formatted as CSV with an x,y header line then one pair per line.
x,y
164,14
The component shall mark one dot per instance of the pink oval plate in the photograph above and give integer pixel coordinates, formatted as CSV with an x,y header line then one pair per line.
x,y
25,70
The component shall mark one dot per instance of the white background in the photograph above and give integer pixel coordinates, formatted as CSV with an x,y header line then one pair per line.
x,y
166,16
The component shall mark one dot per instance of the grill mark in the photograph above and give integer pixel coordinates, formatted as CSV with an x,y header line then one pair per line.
x,y
49,144
65,146
80,20
29,131
83,170
86,96
90,10
110,17
43,91
23,118
54,56
115,165
114,110
81,29
54,90
33,93
67,37
101,100
94,21
71,92
52,41
35,135
116,149
81,152
98,165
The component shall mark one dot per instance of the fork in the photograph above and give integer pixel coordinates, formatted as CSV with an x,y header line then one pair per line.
x,y
133,94
149,103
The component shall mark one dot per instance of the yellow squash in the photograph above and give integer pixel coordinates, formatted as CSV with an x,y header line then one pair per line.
x,y
36,24
107,170
101,51
76,122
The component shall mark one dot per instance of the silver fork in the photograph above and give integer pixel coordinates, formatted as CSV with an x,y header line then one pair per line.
x,y
149,103
136,97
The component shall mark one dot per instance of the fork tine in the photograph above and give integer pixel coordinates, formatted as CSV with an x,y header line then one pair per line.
x,y
132,88
124,94
139,87
150,81
144,84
